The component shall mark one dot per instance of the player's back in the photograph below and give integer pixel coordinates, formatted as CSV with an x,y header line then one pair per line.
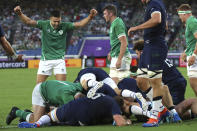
x,y
59,92
170,73
98,72
88,111
158,31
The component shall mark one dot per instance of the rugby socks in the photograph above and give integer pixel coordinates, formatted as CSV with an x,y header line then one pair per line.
x,y
110,82
43,120
91,83
138,111
24,115
172,110
149,93
128,93
157,107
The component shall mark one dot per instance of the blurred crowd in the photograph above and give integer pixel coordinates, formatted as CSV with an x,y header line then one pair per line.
x,y
23,37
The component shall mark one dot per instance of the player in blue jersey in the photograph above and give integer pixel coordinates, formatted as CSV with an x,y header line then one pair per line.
x,y
154,54
85,111
7,47
171,77
93,77
175,82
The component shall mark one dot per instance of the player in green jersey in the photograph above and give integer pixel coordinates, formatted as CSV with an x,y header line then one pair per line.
x,y
119,54
190,54
49,93
53,40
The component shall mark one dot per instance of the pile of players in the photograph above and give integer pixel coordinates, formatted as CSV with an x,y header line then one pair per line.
x,y
66,102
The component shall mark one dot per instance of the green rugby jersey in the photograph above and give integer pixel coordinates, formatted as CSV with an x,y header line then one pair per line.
x,y
57,93
53,40
117,29
191,29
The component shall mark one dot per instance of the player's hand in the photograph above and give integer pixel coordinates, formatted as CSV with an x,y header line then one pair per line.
x,y
93,13
191,60
184,57
17,10
19,58
109,56
118,64
132,29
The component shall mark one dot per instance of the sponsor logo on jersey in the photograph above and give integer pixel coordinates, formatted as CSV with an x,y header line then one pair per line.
x,y
48,30
61,32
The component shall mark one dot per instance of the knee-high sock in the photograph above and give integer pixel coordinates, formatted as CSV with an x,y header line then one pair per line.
x,y
128,93
110,82
157,107
43,120
138,111
24,115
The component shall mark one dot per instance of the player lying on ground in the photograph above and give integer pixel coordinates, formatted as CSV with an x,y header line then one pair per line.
x,y
94,76
48,93
85,111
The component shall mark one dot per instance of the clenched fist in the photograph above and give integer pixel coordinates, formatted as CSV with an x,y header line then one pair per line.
x,y
93,13
17,10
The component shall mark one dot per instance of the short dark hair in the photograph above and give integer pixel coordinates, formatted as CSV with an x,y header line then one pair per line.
x,y
184,7
111,8
138,45
55,13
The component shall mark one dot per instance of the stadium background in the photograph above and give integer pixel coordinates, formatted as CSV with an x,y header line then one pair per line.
x,y
17,84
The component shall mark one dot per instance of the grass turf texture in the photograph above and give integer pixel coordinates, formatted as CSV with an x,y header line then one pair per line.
x,y
16,87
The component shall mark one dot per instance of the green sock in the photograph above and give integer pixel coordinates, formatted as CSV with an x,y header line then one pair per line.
x,y
22,114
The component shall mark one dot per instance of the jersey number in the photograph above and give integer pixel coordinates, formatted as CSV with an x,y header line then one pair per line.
x,y
168,63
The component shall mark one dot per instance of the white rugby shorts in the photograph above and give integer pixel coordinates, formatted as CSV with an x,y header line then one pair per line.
x,y
192,70
36,96
57,66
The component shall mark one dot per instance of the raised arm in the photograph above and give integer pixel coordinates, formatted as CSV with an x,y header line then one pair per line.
x,y
85,21
9,50
24,18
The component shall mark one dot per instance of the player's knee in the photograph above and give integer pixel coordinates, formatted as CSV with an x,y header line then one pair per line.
x,y
142,83
165,88
87,76
155,74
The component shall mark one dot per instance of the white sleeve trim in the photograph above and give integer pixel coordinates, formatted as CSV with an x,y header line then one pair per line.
x,y
158,12
122,34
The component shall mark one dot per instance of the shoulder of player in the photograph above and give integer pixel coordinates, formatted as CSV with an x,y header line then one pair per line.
x,y
154,4
118,22
191,20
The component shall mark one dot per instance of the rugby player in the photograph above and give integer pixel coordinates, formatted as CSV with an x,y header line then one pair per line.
x,y
119,54
154,54
190,54
84,111
53,39
93,77
176,83
48,93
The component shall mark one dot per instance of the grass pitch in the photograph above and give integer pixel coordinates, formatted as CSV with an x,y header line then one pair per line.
x,y
16,87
